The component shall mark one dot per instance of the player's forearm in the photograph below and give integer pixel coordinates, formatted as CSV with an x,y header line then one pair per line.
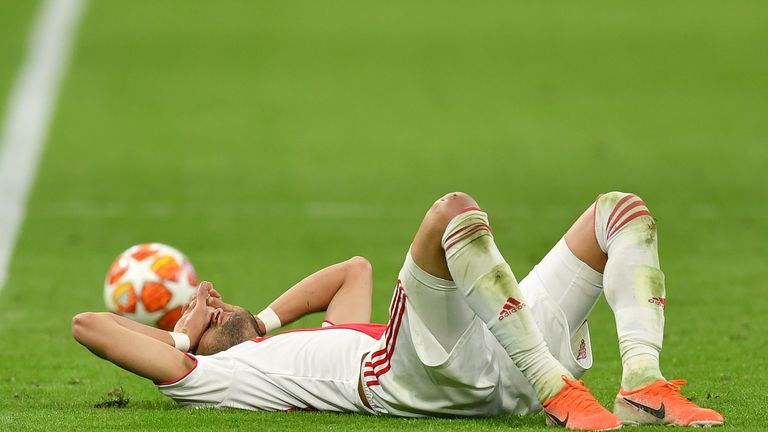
x,y
95,330
315,292
131,347
152,332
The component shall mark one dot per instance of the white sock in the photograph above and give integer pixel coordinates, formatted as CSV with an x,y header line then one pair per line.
x,y
491,290
633,284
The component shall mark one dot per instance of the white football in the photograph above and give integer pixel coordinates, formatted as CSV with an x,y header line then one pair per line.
x,y
149,283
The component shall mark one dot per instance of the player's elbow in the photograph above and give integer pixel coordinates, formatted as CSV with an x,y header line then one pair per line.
x,y
82,325
360,269
359,264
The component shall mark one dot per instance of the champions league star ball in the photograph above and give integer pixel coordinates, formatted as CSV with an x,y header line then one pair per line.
x,y
149,283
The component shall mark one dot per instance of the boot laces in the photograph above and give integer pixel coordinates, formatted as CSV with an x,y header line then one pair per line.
x,y
671,389
578,397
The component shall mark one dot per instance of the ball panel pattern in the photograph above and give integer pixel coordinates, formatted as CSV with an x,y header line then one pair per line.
x,y
144,251
124,298
117,270
155,296
149,283
167,268
167,321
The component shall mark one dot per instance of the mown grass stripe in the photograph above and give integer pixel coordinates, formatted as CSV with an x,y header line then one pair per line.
x,y
29,113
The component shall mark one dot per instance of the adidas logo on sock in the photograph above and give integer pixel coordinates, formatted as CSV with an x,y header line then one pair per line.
x,y
659,301
511,306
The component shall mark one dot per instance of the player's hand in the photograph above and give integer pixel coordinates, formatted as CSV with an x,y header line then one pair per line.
x,y
214,300
217,302
196,316
186,310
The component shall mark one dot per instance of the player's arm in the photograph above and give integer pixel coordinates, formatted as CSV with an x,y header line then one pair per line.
x,y
342,290
141,349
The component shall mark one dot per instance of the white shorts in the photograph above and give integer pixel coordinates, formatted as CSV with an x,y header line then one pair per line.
x,y
410,372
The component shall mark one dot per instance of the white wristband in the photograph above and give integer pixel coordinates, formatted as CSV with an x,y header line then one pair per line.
x,y
180,341
270,319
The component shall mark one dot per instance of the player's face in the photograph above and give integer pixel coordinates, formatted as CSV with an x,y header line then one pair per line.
x,y
227,329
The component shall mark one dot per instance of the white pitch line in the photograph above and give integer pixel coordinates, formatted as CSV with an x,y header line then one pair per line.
x,y
29,114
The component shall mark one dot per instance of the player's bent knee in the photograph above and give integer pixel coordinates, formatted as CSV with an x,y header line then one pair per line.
x,y
617,202
614,197
456,199
616,211
449,206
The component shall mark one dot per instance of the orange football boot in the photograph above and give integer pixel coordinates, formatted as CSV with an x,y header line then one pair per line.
x,y
661,403
575,408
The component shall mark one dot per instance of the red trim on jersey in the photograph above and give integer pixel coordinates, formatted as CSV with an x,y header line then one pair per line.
x,y
398,312
632,217
372,383
389,346
393,302
383,370
372,330
391,342
394,320
616,208
386,359
393,310
165,383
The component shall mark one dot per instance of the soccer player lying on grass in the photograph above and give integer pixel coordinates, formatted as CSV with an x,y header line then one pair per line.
x,y
463,339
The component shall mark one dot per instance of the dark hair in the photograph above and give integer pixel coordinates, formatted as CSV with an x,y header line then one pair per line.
x,y
240,327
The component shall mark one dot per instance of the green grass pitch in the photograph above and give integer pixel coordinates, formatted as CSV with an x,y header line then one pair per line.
x,y
269,139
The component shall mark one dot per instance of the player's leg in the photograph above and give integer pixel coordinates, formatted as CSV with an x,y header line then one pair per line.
x,y
617,236
455,241
633,282
431,345
437,301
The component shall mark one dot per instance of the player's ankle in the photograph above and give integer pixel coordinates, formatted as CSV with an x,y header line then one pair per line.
x,y
636,379
542,370
552,386
640,370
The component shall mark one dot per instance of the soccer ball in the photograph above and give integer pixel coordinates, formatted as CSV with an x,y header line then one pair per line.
x,y
149,283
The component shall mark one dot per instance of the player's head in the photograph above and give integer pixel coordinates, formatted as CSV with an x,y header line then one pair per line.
x,y
226,330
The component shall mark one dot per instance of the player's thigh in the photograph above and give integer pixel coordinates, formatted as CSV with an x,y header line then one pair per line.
x,y
570,283
583,243
437,303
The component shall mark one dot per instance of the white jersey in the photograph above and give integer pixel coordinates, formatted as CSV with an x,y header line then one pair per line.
x,y
310,369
